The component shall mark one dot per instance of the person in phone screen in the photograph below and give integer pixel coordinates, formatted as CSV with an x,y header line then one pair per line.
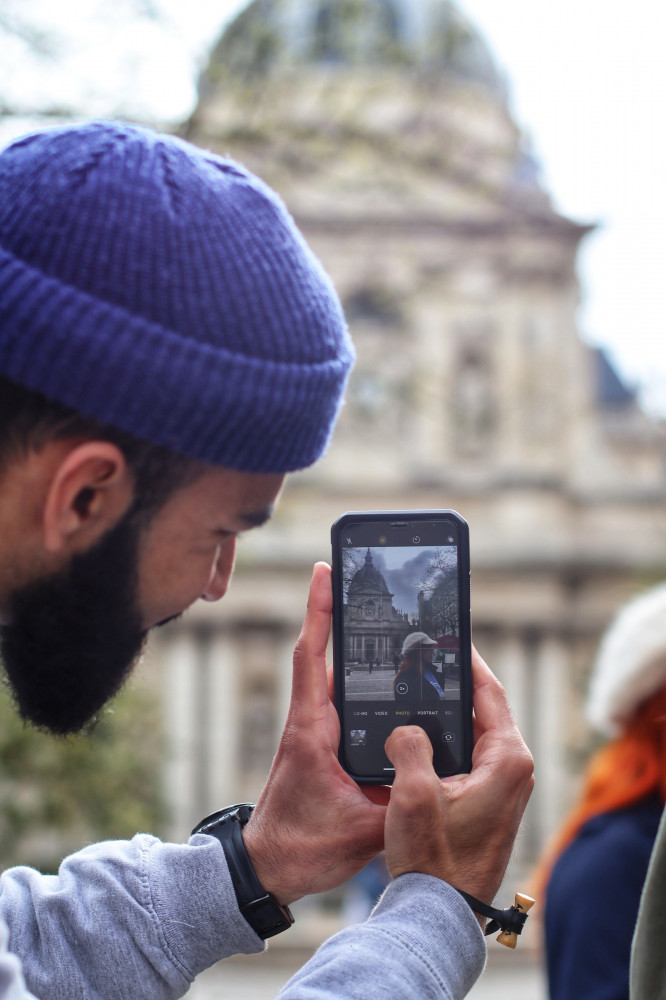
x,y
416,679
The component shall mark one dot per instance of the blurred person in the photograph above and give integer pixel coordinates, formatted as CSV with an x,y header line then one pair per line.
x,y
170,349
415,679
597,866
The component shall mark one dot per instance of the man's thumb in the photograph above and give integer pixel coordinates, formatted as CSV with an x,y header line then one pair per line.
x,y
409,750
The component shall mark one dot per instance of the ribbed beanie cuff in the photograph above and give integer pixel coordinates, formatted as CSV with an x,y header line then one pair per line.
x,y
167,292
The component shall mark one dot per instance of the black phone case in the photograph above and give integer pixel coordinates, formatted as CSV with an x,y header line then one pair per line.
x,y
465,626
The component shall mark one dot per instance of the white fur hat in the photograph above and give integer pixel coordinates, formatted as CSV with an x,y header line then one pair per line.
x,y
631,663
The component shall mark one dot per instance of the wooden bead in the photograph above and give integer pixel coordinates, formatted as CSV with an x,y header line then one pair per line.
x,y
522,903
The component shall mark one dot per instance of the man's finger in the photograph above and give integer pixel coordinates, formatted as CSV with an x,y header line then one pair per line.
x,y
309,682
491,707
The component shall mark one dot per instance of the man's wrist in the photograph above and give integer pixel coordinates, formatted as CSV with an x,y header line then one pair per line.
x,y
260,909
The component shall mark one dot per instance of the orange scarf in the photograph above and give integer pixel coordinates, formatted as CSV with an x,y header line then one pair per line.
x,y
622,772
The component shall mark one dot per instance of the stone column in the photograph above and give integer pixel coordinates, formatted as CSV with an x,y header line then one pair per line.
x,y
283,664
179,655
511,665
221,722
201,721
549,710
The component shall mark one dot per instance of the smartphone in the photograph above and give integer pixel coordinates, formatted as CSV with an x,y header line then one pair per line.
x,y
402,636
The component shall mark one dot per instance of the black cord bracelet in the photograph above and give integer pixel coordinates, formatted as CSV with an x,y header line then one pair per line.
x,y
509,922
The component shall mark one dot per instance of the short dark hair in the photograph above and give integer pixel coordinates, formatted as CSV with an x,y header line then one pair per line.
x,y
28,421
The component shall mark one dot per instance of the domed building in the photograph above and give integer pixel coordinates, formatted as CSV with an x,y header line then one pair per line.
x,y
374,629
359,110
386,127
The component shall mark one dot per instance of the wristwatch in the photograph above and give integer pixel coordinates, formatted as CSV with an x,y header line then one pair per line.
x,y
261,910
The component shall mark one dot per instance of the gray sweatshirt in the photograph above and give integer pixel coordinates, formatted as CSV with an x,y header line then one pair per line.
x,y
139,919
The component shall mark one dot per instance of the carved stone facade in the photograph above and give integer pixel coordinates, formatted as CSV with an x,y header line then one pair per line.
x,y
385,127
374,628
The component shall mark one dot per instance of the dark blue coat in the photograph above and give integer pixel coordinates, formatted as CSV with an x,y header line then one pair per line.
x,y
592,904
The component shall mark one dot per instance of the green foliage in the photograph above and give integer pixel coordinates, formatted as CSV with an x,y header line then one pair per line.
x,y
57,794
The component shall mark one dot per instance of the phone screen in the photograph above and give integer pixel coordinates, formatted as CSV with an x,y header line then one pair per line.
x,y
402,636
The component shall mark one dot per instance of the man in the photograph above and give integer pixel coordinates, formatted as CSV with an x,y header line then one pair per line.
x,y
169,350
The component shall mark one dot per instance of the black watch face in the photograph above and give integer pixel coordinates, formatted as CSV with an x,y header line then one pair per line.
x,y
241,812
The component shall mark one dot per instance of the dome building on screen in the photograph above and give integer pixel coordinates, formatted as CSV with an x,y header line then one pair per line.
x,y
386,126
374,628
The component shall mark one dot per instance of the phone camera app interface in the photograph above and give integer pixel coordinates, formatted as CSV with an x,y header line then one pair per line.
x,y
401,640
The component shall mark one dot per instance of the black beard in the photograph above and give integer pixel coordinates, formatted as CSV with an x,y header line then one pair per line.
x,y
73,638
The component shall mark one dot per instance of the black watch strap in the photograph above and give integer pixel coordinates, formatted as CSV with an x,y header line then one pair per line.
x,y
261,910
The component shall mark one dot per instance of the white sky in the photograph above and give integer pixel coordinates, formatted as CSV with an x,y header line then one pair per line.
x,y
395,557
587,80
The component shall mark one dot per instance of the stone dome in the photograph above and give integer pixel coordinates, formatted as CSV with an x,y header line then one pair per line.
x,y
358,109
432,35
368,577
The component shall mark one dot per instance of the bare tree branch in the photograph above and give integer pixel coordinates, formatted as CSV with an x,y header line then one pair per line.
x,y
52,43
39,41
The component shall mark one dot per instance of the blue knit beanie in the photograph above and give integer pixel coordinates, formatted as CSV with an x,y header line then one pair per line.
x,y
167,292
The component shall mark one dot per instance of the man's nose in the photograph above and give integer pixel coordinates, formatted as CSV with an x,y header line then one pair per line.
x,y
222,567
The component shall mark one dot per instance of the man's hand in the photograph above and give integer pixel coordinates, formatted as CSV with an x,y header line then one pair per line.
x,y
313,827
460,829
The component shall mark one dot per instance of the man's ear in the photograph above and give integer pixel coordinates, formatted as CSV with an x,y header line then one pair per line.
x,y
90,490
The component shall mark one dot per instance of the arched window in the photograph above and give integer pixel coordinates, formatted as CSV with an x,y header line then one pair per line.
x,y
350,31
